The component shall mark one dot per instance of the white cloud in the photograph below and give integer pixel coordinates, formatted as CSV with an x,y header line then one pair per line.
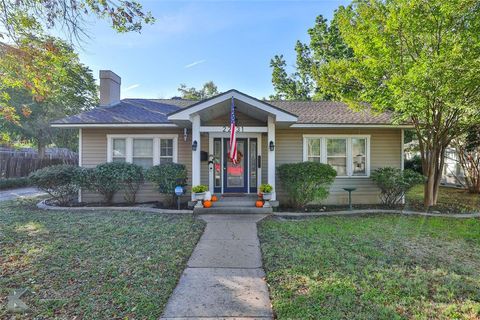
x,y
133,86
193,64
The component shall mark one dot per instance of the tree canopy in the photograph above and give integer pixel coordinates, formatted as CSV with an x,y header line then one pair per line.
x,y
325,44
72,89
209,89
417,58
32,60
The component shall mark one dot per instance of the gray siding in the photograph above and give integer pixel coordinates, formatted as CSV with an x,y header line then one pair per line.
x,y
385,150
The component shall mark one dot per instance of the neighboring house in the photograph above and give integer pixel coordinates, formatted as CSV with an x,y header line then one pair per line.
x,y
270,133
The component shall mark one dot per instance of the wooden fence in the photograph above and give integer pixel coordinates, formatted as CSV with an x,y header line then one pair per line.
x,y
19,166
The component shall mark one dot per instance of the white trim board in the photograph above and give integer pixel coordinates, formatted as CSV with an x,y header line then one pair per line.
x,y
345,125
114,125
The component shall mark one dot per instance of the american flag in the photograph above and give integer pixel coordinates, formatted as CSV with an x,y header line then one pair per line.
x,y
233,135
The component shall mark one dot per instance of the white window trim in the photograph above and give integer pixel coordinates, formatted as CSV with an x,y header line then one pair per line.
x,y
129,145
323,151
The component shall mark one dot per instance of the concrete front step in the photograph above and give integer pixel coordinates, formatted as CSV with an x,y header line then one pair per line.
x,y
230,209
234,203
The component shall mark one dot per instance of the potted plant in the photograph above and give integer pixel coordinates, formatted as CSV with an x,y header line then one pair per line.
x,y
199,191
266,191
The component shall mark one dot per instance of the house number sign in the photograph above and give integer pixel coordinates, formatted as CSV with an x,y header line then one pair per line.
x,y
227,129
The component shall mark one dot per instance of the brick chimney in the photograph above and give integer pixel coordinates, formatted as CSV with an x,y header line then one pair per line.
x,y
109,88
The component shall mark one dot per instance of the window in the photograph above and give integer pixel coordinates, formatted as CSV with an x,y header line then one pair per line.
x,y
143,152
142,149
348,155
337,155
359,156
166,150
119,153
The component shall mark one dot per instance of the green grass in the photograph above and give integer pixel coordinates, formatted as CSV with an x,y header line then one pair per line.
x,y
92,265
373,267
450,200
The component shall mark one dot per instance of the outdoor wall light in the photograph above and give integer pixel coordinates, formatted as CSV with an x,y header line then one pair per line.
x,y
185,134
272,146
194,145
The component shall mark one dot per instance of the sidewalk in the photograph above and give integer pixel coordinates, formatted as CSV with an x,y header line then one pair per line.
x,y
224,276
11,194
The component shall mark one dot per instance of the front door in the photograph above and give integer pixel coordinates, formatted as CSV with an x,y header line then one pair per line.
x,y
235,175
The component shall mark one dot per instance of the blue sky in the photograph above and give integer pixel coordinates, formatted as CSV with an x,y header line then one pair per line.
x,y
228,42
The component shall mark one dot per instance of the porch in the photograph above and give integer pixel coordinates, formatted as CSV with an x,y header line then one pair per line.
x,y
209,125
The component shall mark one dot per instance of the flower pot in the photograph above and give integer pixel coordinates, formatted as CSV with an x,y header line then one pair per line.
x,y
199,196
267,196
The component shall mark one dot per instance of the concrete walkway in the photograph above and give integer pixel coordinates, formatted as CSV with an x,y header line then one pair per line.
x,y
224,278
11,194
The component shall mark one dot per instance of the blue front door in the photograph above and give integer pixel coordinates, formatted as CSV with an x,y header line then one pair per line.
x,y
235,175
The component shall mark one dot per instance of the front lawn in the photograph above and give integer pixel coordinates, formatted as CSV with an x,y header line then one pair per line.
x,y
92,265
373,267
450,200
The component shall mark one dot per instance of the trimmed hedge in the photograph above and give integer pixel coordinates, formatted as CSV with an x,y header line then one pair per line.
x,y
167,176
109,178
394,183
58,181
13,183
306,181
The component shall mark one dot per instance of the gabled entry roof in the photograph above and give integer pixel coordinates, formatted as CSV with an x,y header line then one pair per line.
x,y
255,108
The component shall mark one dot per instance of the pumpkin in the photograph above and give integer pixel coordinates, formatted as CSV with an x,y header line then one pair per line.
x,y
207,204
214,198
259,204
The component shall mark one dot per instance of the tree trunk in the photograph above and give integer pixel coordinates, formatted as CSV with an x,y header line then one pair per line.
x,y
41,149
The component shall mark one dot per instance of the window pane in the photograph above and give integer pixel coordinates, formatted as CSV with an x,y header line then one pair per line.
x,y
337,147
142,147
166,160
359,156
313,147
166,147
119,147
217,151
253,163
143,162
314,159
339,164
115,159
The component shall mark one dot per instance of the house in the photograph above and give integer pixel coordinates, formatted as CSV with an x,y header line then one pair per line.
x,y
196,133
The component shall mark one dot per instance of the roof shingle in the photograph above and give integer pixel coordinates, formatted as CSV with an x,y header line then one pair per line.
x,y
157,110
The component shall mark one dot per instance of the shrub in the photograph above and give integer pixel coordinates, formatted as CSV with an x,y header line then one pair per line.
x,y
266,188
306,181
105,179
131,177
59,181
14,183
394,183
167,176
200,188
415,164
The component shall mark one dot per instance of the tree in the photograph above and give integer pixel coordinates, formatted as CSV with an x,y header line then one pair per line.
x,y
29,58
208,90
72,90
326,43
417,58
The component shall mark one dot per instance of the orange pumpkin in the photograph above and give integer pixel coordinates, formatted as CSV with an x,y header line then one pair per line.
x,y
214,198
259,204
207,203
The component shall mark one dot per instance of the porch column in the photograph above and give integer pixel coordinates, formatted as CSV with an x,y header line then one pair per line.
x,y
271,155
195,119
